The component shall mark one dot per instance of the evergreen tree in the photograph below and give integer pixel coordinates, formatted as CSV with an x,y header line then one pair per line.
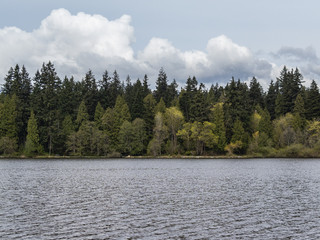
x,y
218,120
104,90
160,107
33,141
187,98
290,86
199,107
149,104
172,92
115,89
98,114
90,93
313,101
236,106
46,105
299,114
8,118
70,96
146,89
161,87
18,83
82,115
271,99
134,98
256,93
113,119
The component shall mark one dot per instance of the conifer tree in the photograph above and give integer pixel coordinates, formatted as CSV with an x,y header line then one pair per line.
x,y
149,104
90,93
82,115
218,120
98,114
256,93
161,87
271,99
33,142
313,101
104,90
160,107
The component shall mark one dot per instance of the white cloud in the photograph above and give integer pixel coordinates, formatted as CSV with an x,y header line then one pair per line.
x,y
75,43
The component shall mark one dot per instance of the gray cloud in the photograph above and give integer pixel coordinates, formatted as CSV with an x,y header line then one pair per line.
x,y
75,43
298,54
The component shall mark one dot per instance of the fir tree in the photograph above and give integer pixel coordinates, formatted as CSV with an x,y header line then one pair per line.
x,y
161,87
33,142
313,101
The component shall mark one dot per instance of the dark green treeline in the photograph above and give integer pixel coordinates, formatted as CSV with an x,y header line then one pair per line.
x,y
46,115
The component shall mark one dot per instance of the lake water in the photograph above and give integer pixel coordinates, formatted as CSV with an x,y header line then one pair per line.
x,y
160,199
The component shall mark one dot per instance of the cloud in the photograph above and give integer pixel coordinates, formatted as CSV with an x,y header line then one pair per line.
x,y
222,60
75,43
298,54
306,59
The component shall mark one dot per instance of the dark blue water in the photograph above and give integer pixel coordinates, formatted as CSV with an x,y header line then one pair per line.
x,y
160,199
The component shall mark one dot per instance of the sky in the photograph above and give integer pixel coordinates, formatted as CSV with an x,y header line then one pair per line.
x,y
212,40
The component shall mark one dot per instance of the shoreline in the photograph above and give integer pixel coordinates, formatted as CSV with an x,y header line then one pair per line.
x,y
165,157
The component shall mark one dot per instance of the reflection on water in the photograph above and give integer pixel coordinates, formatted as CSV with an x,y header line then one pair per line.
x,y
160,199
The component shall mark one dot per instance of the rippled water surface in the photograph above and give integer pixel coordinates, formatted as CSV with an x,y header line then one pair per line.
x,y
160,199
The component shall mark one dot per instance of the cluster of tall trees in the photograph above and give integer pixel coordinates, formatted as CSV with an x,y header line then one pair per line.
x,y
110,117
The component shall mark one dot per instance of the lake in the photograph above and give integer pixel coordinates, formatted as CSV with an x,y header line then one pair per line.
x,y
160,199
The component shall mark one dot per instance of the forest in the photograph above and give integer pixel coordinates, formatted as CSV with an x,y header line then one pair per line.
x,y
44,115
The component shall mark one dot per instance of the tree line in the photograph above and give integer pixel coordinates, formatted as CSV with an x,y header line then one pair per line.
x,y
45,115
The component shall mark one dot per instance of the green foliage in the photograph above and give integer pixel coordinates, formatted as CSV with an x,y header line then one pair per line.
x,y
82,115
284,133
174,120
98,114
33,146
161,87
69,118
160,130
8,118
160,107
88,141
8,146
219,121
239,138
149,104
312,102
185,135
132,137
